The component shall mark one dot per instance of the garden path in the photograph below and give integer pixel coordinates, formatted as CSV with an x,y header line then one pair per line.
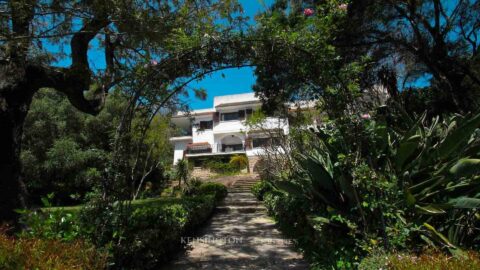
x,y
240,235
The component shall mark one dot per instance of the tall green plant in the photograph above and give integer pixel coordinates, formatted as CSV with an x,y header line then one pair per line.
x,y
377,183
182,172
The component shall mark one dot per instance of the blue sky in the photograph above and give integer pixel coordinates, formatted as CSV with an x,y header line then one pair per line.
x,y
235,81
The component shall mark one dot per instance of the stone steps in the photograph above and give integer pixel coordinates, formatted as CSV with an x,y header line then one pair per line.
x,y
240,209
240,235
252,264
242,186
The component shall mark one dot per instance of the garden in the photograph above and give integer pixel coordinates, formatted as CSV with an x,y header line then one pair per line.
x,y
380,168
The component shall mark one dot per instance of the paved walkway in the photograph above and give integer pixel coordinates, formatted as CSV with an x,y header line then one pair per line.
x,y
240,235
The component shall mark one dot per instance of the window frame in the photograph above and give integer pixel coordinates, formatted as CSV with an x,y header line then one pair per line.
x,y
266,143
222,116
209,126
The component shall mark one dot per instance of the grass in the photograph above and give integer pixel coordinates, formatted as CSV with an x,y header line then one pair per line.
x,y
142,202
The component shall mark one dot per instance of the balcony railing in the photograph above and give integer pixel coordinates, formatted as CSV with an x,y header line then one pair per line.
x,y
213,148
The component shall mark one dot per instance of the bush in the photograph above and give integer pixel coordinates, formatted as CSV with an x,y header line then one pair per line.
x,y
222,167
239,162
260,188
219,191
154,233
151,235
45,254
426,261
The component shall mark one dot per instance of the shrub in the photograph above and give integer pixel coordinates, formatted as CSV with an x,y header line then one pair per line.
x,y
150,235
260,188
222,167
53,223
239,162
182,171
191,187
154,232
45,254
426,261
219,191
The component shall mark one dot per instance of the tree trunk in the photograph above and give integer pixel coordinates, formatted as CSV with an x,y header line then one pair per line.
x,y
14,105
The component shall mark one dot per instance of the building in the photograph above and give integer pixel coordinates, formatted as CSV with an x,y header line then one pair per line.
x,y
222,130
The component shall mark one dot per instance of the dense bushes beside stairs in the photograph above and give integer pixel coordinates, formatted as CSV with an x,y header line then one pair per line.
x,y
356,186
153,232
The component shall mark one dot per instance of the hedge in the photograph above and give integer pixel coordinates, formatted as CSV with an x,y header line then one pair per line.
x,y
154,232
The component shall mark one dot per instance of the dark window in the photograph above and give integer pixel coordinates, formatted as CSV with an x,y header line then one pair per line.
x,y
276,141
241,115
248,113
230,116
204,125
260,142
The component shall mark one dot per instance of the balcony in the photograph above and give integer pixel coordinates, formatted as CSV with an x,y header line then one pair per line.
x,y
206,148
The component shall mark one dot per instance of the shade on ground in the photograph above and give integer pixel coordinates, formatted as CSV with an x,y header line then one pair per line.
x,y
240,235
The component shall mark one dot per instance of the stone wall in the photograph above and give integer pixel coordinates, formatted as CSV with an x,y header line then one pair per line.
x,y
252,161
202,173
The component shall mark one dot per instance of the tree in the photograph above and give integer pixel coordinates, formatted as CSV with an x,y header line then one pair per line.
x,y
297,60
125,31
418,39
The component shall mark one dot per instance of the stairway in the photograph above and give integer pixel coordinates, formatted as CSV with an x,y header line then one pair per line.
x,y
243,185
240,235
241,199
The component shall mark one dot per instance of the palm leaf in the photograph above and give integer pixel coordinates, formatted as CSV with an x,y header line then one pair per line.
x,y
457,137
405,150
290,188
466,168
465,203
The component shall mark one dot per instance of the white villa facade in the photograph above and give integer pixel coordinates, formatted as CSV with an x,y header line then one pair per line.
x,y
222,130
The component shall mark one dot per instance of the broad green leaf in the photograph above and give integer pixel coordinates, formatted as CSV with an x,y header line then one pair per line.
x,y
465,203
406,150
291,188
318,174
457,137
466,167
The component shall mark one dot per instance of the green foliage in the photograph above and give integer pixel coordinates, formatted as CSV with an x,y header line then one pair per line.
x,y
373,186
151,236
291,38
222,167
182,172
426,261
154,232
260,188
218,190
66,152
239,162
43,254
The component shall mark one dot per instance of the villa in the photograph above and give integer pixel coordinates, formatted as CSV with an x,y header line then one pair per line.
x,y
222,130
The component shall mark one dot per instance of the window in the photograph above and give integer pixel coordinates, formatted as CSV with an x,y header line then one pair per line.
x,y
205,125
260,142
230,116
276,141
